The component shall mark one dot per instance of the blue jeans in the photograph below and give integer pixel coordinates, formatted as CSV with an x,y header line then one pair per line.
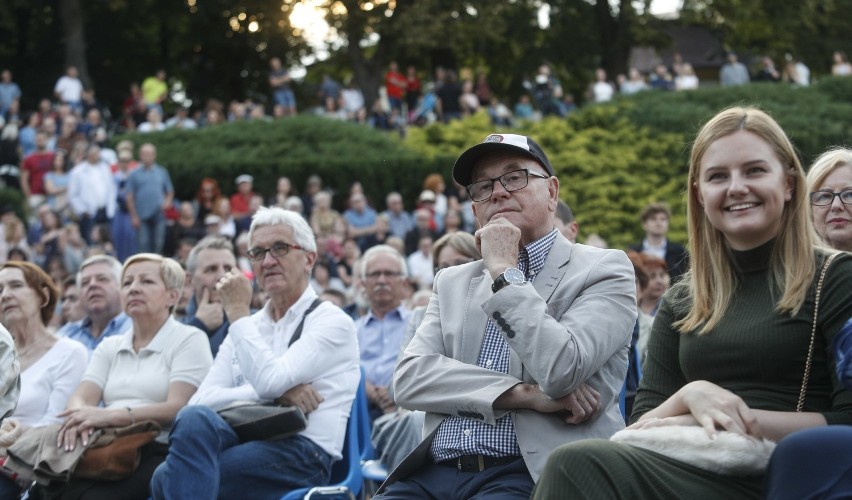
x,y
286,98
810,464
151,234
206,461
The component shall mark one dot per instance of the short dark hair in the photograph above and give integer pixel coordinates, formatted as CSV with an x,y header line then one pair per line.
x,y
564,212
653,209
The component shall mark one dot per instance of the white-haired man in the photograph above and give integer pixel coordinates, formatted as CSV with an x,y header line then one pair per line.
x,y
319,372
380,331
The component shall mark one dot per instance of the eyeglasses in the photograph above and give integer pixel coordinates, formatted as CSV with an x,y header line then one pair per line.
x,y
278,250
511,181
823,198
374,275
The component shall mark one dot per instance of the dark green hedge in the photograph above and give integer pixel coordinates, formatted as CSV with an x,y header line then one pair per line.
x,y
612,159
814,117
340,153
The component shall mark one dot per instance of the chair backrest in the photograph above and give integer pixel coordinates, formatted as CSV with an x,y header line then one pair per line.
x,y
348,468
365,427
346,476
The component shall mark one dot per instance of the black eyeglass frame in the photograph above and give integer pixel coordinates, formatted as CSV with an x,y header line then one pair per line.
x,y
841,194
278,249
491,181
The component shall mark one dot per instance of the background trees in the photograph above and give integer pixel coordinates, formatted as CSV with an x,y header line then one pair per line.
x,y
221,48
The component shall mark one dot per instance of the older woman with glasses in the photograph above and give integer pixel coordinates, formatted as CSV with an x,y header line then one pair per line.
x,y
830,185
814,463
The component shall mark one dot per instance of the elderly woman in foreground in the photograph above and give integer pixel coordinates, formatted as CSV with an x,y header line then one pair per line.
x,y
147,373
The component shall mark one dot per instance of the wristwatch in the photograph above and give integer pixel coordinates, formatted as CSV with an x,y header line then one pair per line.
x,y
511,276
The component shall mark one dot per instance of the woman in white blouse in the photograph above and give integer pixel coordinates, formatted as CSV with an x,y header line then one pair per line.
x,y
51,367
147,373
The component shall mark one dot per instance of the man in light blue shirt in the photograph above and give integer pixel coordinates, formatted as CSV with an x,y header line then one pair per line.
x,y
98,280
149,194
381,330
360,219
399,221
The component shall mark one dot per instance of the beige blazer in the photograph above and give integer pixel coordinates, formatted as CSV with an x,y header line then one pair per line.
x,y
572,325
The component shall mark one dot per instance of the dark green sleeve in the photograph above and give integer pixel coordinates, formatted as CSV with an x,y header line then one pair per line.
x,y
661,372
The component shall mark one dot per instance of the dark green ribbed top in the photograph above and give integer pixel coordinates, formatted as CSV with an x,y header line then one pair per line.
x,y
754,351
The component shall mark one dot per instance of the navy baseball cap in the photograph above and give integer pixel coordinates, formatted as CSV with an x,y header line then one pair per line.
x,y
505,143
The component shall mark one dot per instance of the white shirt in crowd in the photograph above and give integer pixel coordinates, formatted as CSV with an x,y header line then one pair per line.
x,y
48,383
90,187
255,363
69,89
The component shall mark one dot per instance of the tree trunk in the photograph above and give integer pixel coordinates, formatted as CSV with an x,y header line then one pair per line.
x,y
615,35
75,39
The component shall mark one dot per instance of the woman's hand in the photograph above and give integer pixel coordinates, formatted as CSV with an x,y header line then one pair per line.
x,y
714,407
83,422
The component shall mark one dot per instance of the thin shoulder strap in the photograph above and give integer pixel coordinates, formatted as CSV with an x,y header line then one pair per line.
x,y
809,360
298,332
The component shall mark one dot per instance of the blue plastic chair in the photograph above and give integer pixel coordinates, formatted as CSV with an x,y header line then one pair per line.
x,y
346,480
372,470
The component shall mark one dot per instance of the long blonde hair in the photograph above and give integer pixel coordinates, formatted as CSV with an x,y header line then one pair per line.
x,y
711,280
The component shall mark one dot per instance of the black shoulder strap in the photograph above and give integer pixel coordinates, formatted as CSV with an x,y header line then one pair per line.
x,y
298,332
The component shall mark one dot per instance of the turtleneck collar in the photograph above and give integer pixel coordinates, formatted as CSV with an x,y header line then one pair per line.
x,y
755,259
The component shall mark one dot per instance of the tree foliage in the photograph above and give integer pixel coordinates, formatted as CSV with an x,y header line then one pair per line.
x,y
808,29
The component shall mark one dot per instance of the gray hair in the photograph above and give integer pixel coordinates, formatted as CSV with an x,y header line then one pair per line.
x,y
112,262
212,242
270,216
382,249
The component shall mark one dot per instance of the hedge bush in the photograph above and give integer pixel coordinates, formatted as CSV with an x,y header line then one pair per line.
x,y
340,153
814,117
614,158
611,159
608,168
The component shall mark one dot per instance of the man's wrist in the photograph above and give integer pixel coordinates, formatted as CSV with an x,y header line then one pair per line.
x,y
237,312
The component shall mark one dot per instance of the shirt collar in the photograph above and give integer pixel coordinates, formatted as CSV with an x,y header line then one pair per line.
x,y
398,312
297,310
534,254
156,344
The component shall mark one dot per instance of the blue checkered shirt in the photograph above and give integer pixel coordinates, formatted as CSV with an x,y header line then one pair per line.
x,y
459,436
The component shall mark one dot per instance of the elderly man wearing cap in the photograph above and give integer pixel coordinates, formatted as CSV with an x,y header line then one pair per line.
x,y
519,352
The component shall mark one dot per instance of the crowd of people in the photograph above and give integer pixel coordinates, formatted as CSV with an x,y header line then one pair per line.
x,y
494,347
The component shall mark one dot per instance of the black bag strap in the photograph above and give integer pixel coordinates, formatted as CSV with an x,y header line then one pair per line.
x,y
298,332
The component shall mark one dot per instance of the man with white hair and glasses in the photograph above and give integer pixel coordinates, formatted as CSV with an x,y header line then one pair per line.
x,y
319,372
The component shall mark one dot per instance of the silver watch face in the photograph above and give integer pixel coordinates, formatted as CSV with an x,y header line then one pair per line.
x,y
514,276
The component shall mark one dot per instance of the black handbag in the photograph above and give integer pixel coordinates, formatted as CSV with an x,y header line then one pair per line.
x,y
258,421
